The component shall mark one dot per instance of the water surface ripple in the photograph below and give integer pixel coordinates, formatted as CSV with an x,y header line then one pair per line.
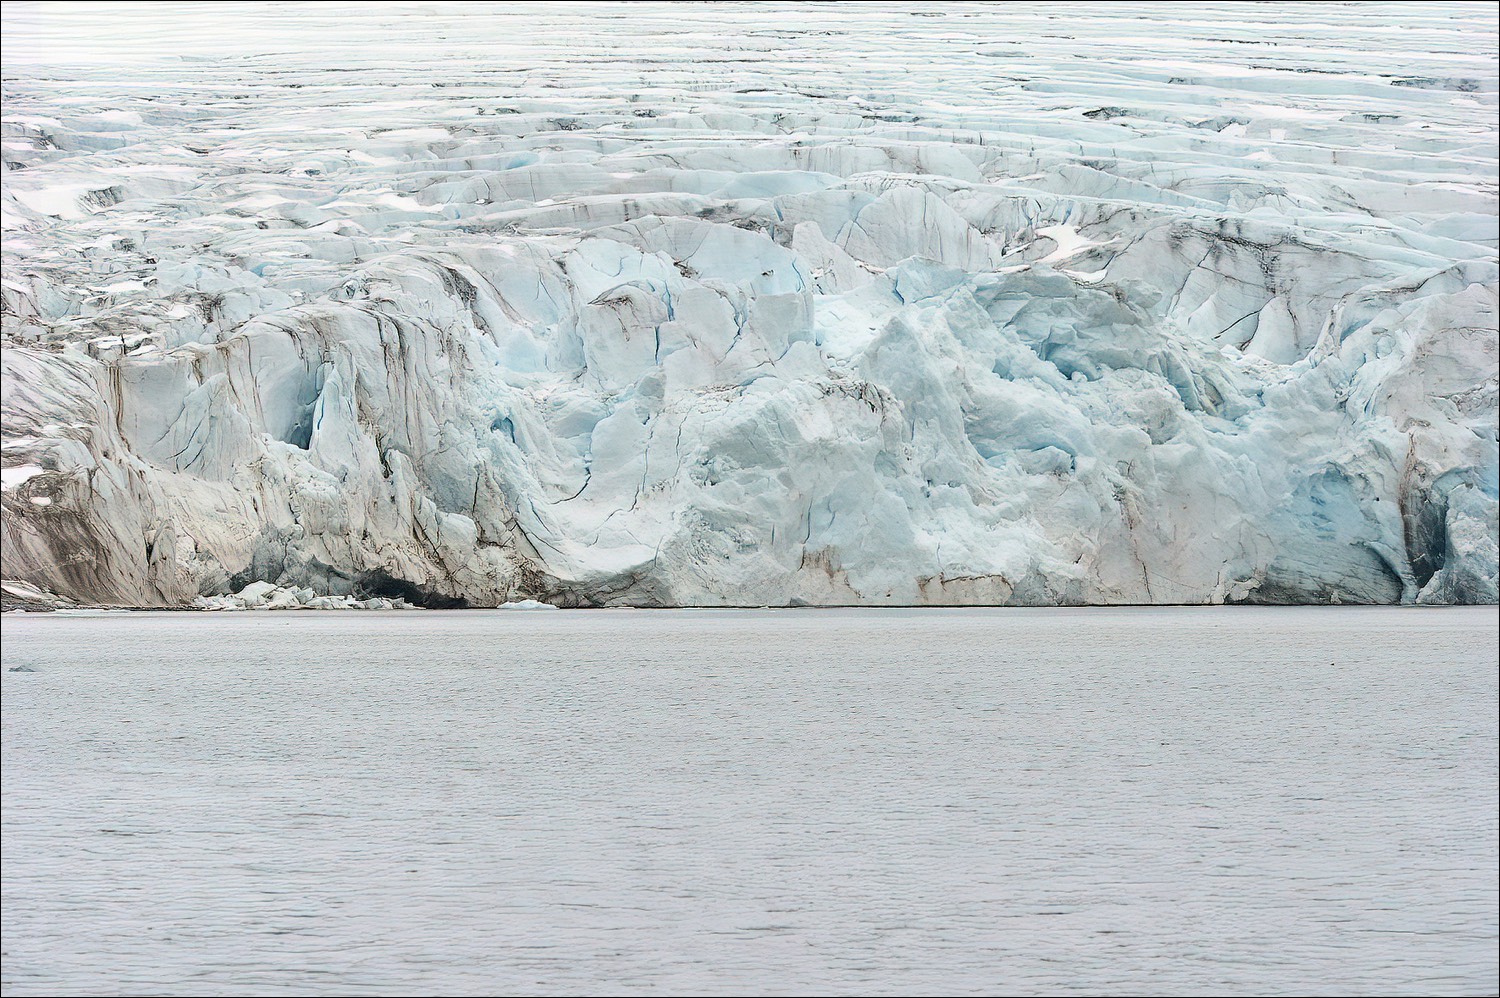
x,y
1174,801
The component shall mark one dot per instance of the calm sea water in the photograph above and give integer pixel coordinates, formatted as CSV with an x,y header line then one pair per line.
x,y
1170,801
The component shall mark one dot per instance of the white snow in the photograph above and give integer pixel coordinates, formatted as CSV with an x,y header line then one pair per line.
x,y
758,304
14,478
25,596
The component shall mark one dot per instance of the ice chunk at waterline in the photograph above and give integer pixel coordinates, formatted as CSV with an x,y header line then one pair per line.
x,y
980,330
265,596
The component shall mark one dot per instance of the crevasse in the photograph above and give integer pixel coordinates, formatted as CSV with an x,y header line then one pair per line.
x,y
468,307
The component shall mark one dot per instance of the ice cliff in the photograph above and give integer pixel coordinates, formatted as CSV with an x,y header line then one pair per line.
x,y
752,304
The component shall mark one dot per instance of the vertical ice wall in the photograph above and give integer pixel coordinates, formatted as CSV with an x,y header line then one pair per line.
x,y
752,304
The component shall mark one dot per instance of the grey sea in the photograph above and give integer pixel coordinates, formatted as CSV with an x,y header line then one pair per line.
x,y
1173,801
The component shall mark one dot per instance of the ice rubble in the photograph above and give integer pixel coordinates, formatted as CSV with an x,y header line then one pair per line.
x,y
265,596
729,307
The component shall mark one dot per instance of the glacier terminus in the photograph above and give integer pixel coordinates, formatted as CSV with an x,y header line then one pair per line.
x,y
752,304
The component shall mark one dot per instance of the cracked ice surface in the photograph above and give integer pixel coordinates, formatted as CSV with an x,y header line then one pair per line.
x,y
752,304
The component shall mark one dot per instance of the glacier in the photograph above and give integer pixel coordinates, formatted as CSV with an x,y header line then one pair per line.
x,y
751,304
